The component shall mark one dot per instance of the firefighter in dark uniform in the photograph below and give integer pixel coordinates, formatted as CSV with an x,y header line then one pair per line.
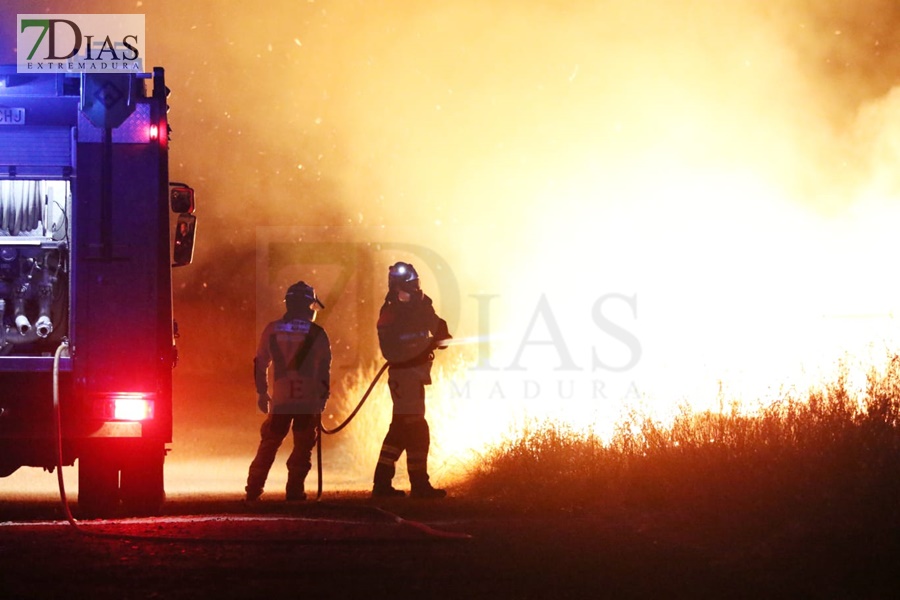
x,y
300,355
408,332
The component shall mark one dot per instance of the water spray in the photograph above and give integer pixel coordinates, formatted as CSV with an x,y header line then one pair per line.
x,y
466,341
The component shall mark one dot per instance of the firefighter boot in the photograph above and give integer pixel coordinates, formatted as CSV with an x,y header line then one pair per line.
x,y
253,493
417,464
382,488
294,492
256,481
422,488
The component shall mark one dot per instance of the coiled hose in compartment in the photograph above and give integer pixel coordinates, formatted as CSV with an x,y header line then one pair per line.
x,y
21,209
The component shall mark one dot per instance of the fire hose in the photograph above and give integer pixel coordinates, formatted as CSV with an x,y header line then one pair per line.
x,y
57,422
320,429
358,406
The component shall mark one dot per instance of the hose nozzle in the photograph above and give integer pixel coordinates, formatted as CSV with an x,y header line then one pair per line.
x,y
23,325
44,326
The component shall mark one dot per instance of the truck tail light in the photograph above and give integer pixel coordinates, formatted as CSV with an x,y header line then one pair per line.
x,y
125,406
133,407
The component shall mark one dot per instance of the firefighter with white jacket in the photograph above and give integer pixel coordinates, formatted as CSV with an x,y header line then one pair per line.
x,y
409,330
299,352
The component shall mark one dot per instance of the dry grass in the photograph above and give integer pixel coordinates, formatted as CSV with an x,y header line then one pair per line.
x,y
830,456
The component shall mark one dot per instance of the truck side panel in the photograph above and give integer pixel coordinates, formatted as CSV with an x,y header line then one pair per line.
x,y
123,290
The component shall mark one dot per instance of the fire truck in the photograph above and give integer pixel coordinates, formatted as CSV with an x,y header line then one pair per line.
x,y
90,230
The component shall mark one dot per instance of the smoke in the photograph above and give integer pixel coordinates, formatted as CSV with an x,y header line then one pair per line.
x,y
729,165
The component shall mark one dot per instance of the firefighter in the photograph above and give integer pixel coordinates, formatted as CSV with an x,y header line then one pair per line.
x,y
408,332
300,355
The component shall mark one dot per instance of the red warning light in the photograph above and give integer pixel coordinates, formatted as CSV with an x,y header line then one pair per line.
x,y
154,132
132,407
124,406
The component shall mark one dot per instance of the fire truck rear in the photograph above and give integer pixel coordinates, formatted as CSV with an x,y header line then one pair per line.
x,y
86,255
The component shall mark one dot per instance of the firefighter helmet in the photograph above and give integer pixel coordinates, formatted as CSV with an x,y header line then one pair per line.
x,y
301,296
403,276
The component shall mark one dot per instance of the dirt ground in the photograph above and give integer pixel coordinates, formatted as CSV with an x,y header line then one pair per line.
x,y
347,546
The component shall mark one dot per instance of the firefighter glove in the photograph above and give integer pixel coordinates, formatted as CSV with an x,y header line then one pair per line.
x,y
262,402
442,334
442,343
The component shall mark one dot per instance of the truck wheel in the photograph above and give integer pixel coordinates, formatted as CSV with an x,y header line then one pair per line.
x,y
98,485
143,490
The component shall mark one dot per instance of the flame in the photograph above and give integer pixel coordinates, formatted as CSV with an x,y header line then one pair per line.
x,y
739,292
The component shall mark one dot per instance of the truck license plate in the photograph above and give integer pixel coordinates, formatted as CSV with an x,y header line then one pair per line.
x,y
12,116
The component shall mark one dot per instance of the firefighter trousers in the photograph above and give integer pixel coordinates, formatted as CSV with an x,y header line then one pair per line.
x,y
409,433
272,433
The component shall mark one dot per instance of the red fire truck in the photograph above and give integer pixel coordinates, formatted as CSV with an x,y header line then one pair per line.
x,y
90,229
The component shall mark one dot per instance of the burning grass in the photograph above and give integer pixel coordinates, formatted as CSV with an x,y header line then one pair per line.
x,y
833,456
